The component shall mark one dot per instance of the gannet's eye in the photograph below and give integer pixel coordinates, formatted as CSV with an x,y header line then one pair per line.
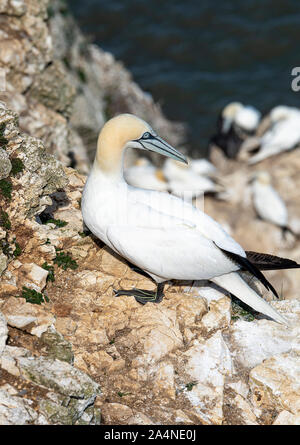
x,y
146,135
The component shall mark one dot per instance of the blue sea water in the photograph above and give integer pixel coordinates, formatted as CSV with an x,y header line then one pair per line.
x,y
196,56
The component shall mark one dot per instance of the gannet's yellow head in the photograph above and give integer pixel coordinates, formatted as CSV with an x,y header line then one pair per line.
x,y
231,109
124,131
228,115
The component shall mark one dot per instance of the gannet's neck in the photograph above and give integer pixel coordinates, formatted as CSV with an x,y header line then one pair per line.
x,y
109,157
108,169
112,142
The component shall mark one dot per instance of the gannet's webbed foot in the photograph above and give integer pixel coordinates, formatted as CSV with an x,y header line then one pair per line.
x,y
144,296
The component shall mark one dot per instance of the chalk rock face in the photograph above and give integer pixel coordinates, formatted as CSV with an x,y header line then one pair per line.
x,y
59,376
60,98
3,333
286,418
5,164
275,383
25,188
116,413
62,393
265,338
154,332
36,175
15,410
30,317
219,315
208,364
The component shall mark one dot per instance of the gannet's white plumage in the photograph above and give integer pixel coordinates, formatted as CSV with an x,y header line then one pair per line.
x,y
247,118
175,171
202,167
283,135
182,178
267,202
195,186
144,175
163,235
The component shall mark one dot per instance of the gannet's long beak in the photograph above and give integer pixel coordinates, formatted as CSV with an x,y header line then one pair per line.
x,y
158,145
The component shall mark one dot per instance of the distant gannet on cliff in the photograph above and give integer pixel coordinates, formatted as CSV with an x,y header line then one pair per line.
x,y
183,178
283,135
267,202
160,233
145,175
235,123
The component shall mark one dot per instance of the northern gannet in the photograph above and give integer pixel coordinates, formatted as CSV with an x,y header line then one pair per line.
x,y
235,123
144,174
160,233
183,178
283,135
267,202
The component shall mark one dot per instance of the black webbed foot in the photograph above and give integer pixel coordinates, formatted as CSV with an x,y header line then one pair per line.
x,y
143,296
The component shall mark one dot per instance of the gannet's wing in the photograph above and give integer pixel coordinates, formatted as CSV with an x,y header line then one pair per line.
x,y
264,261
177,252
188,229
282,137
173,207
284,134
167,246
250,267
168,211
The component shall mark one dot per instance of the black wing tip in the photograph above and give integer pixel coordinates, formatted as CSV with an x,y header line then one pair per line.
x,y
265,261
246,264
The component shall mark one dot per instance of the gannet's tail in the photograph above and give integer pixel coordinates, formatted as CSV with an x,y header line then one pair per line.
x,y
264,261
234,284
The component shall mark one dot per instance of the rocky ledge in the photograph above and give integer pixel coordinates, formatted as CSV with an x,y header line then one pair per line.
x,y
70,350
